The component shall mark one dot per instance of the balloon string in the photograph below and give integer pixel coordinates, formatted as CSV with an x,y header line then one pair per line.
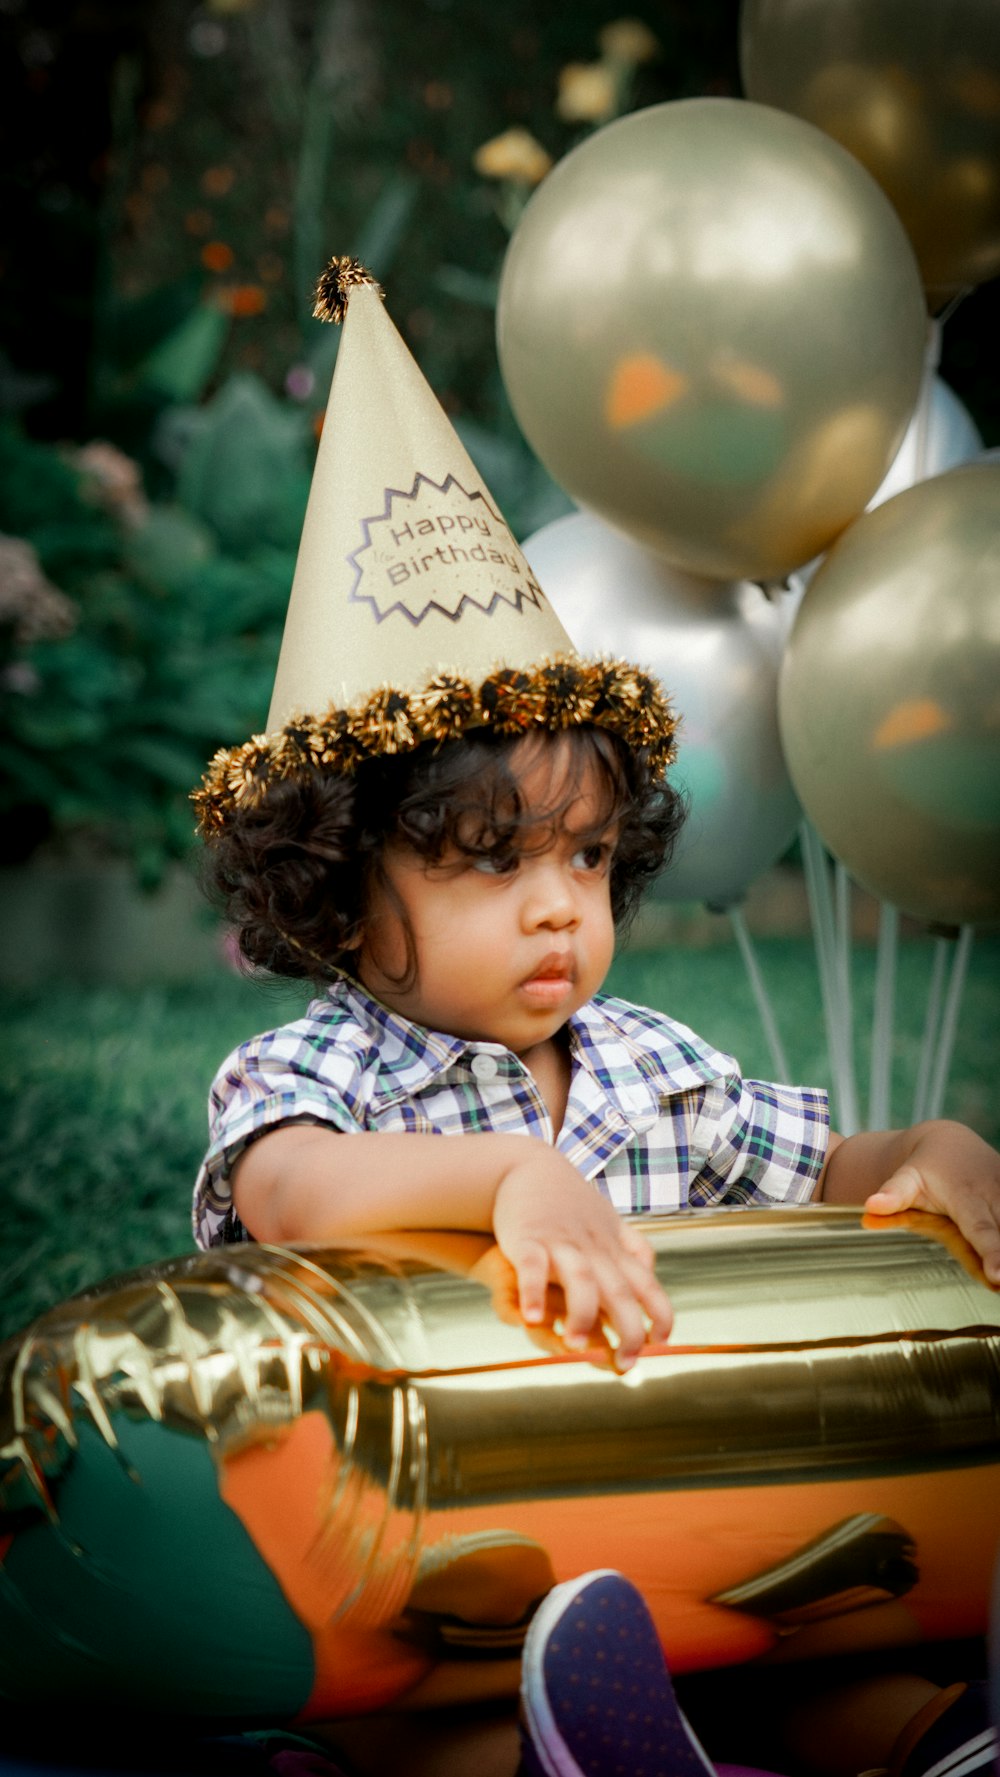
x,y
949,1023
925,403
932,1020
838,1037
949,309
761,995
880,1072
842,926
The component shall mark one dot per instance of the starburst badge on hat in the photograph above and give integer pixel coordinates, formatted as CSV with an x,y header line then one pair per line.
x,y
413,615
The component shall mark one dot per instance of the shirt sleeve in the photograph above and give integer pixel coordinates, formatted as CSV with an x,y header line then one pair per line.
x,y
285,1076
763,1144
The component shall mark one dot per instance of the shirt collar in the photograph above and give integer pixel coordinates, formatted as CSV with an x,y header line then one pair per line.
x,y
425,1054
612,1066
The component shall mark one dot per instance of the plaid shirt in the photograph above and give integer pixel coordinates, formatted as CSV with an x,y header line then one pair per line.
x,y
657,1118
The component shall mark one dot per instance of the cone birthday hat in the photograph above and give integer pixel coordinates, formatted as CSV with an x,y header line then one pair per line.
x,y
413,614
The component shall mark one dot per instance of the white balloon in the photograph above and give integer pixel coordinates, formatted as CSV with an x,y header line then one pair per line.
x,y
951,438
716,647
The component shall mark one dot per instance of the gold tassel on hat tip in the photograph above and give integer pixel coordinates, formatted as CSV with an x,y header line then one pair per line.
x,y
333,290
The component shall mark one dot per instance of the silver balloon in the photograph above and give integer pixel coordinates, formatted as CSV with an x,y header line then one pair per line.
x,y
717,648
941,435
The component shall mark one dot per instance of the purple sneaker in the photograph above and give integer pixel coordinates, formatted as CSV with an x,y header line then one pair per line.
x,y
596,1696
953,1736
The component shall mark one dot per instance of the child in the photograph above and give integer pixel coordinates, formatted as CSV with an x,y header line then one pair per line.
x,y
447,844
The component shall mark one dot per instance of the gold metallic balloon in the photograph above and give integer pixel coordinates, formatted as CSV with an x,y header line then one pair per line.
x,y
912,88
286,1484
711,328
889,698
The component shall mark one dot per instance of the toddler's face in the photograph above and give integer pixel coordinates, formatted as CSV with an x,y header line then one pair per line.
x,y
506,949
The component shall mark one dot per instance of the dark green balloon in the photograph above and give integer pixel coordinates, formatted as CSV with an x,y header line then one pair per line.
x,y
163,1600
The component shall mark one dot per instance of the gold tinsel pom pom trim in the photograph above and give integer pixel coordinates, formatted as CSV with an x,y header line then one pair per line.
x,y
555,695
333,291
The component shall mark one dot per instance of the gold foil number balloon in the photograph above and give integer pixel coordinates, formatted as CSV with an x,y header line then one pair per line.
x,y
712,330
889,698
266,1485
912,88
716,649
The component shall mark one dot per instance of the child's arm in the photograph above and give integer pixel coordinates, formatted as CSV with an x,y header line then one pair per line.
x,y
303,1182
937,1166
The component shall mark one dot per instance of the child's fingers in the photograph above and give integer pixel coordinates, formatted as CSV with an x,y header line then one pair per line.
x,y
637,1246
531,1263
613,1295
904,1190
653,1299
577,1275
652,1295
979,1224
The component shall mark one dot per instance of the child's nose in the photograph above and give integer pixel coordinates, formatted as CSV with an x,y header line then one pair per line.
x,y
549,899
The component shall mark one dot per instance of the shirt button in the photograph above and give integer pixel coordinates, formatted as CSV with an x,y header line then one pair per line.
x,y
485,1067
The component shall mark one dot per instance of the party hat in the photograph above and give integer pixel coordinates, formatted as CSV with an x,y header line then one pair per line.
x,y
413,614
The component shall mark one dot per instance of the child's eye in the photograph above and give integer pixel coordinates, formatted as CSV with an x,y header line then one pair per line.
x,y
592,857
496,863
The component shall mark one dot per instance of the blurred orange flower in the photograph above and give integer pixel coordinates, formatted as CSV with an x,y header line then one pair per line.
x,y
438,95
217,256
216,181
242,299
514,155
158,114
588,93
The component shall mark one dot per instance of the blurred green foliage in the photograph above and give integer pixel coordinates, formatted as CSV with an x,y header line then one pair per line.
x,y
104,730
175,178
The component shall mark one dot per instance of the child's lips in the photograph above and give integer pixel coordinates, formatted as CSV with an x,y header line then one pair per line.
x,y
551,980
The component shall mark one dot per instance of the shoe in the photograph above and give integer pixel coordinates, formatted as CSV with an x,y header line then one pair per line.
x,y
596,1696
952,1736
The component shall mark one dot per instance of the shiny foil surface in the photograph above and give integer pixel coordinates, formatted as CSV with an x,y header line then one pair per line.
x,y
271,1484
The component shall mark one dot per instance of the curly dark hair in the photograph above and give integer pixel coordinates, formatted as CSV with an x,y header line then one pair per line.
x,y
295,875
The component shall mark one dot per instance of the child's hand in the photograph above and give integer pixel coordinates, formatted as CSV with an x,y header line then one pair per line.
x,y
942,1167
951,1171
555,1228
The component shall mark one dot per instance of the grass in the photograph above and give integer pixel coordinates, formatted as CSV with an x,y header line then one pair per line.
x,y
107,1089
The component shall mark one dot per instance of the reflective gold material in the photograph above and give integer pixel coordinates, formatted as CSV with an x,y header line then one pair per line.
x,y
912,88
889,698
711,327
811,1462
